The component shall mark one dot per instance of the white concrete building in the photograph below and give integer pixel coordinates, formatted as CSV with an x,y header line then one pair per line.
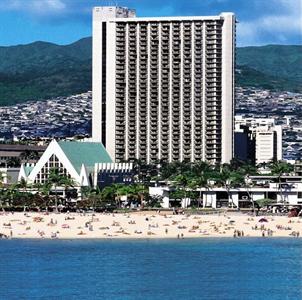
x,y
268,144
289,192
163,87
8,175
267,136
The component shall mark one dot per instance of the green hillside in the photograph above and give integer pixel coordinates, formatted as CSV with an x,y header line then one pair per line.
x,y
43,70
250,77
275,60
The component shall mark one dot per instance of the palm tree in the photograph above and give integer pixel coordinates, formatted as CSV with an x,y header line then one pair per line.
x,y
56,179
202,173
92,195
67,182
280,168
122,190
109,194
229,178
13,162
23,185
139,191
247,170
1,185
28,155
199,183
182,182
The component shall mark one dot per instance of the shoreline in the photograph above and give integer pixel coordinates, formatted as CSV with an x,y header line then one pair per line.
x,y
145,225
120,238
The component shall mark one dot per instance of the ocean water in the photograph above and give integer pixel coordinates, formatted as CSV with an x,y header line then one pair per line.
x,y
249,268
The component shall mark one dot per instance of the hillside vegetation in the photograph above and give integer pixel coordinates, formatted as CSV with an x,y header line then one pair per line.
x,y
43,70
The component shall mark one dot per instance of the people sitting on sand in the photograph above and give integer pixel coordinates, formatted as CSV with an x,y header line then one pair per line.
x,y
238,233
3,236
53,235
41,233
295,233
38,219
51,223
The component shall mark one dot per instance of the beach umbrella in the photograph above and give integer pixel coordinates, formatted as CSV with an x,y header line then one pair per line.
x,y
262,220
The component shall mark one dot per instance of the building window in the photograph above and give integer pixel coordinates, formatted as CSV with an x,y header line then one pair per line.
x,y
52,163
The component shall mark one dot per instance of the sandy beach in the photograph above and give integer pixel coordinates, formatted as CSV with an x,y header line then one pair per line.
x,y
145,225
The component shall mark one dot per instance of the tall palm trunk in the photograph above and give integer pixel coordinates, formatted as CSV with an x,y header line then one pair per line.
x,y
199,199
1,205
56,198
251,198
229,194
280,189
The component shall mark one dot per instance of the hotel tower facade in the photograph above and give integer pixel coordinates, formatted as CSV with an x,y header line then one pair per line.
x,y
163,88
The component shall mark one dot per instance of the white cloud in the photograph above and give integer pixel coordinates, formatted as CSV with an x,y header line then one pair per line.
x,y
279,26
54,5
36,7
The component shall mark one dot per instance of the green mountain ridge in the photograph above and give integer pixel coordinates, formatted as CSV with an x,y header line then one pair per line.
x,y
282,61
43,70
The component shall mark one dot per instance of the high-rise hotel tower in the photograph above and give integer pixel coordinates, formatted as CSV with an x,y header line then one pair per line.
x,y
163,88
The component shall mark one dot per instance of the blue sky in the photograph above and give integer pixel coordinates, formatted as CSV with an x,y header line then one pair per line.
x,y
261,22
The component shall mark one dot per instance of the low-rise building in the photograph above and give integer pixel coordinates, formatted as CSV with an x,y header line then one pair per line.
x,y
9,175
88,165
22,153
287,192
